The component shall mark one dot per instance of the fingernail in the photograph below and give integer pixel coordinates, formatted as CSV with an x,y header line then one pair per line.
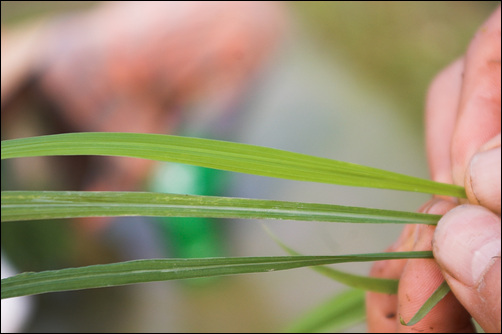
x,y
466,242
483,187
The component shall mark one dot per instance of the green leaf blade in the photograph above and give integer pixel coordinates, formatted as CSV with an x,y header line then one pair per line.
x,y
141,271
381,285
222,155
441,292
30,205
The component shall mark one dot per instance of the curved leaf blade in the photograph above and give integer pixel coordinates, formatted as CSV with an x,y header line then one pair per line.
x,y
222,155
141,271
381,285
441,292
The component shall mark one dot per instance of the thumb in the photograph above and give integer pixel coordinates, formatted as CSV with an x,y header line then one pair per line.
x,y
482,181
466,246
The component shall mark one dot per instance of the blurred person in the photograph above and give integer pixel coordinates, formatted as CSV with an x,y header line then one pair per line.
x,y
463,145
127,66
136,67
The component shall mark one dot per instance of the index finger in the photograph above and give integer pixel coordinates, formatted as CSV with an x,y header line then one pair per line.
x,y
440,118
479,110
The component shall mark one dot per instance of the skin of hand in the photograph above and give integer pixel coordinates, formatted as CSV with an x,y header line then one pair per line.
x,y
463,145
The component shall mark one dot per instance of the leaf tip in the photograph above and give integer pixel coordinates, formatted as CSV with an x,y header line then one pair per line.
x,y
401,320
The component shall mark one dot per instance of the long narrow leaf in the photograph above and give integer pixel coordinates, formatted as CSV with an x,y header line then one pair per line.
x,y
382,285
140,271
222,155
27,205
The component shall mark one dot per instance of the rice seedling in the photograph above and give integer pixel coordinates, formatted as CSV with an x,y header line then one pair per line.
x,y
235,157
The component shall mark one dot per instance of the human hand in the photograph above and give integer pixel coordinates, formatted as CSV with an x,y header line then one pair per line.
x,y
463,145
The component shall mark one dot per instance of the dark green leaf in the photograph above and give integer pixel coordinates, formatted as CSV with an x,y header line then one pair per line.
x,y
140,271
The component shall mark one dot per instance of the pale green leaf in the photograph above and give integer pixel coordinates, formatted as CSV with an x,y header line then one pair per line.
x,y
374,284
223,155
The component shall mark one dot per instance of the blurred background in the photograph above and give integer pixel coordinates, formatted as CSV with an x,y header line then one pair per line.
x,y
342,80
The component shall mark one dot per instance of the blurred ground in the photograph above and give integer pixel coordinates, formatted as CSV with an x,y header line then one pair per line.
x,y
348,83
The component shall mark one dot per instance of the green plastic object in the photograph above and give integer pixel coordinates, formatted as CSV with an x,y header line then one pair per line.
x,y
190,237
